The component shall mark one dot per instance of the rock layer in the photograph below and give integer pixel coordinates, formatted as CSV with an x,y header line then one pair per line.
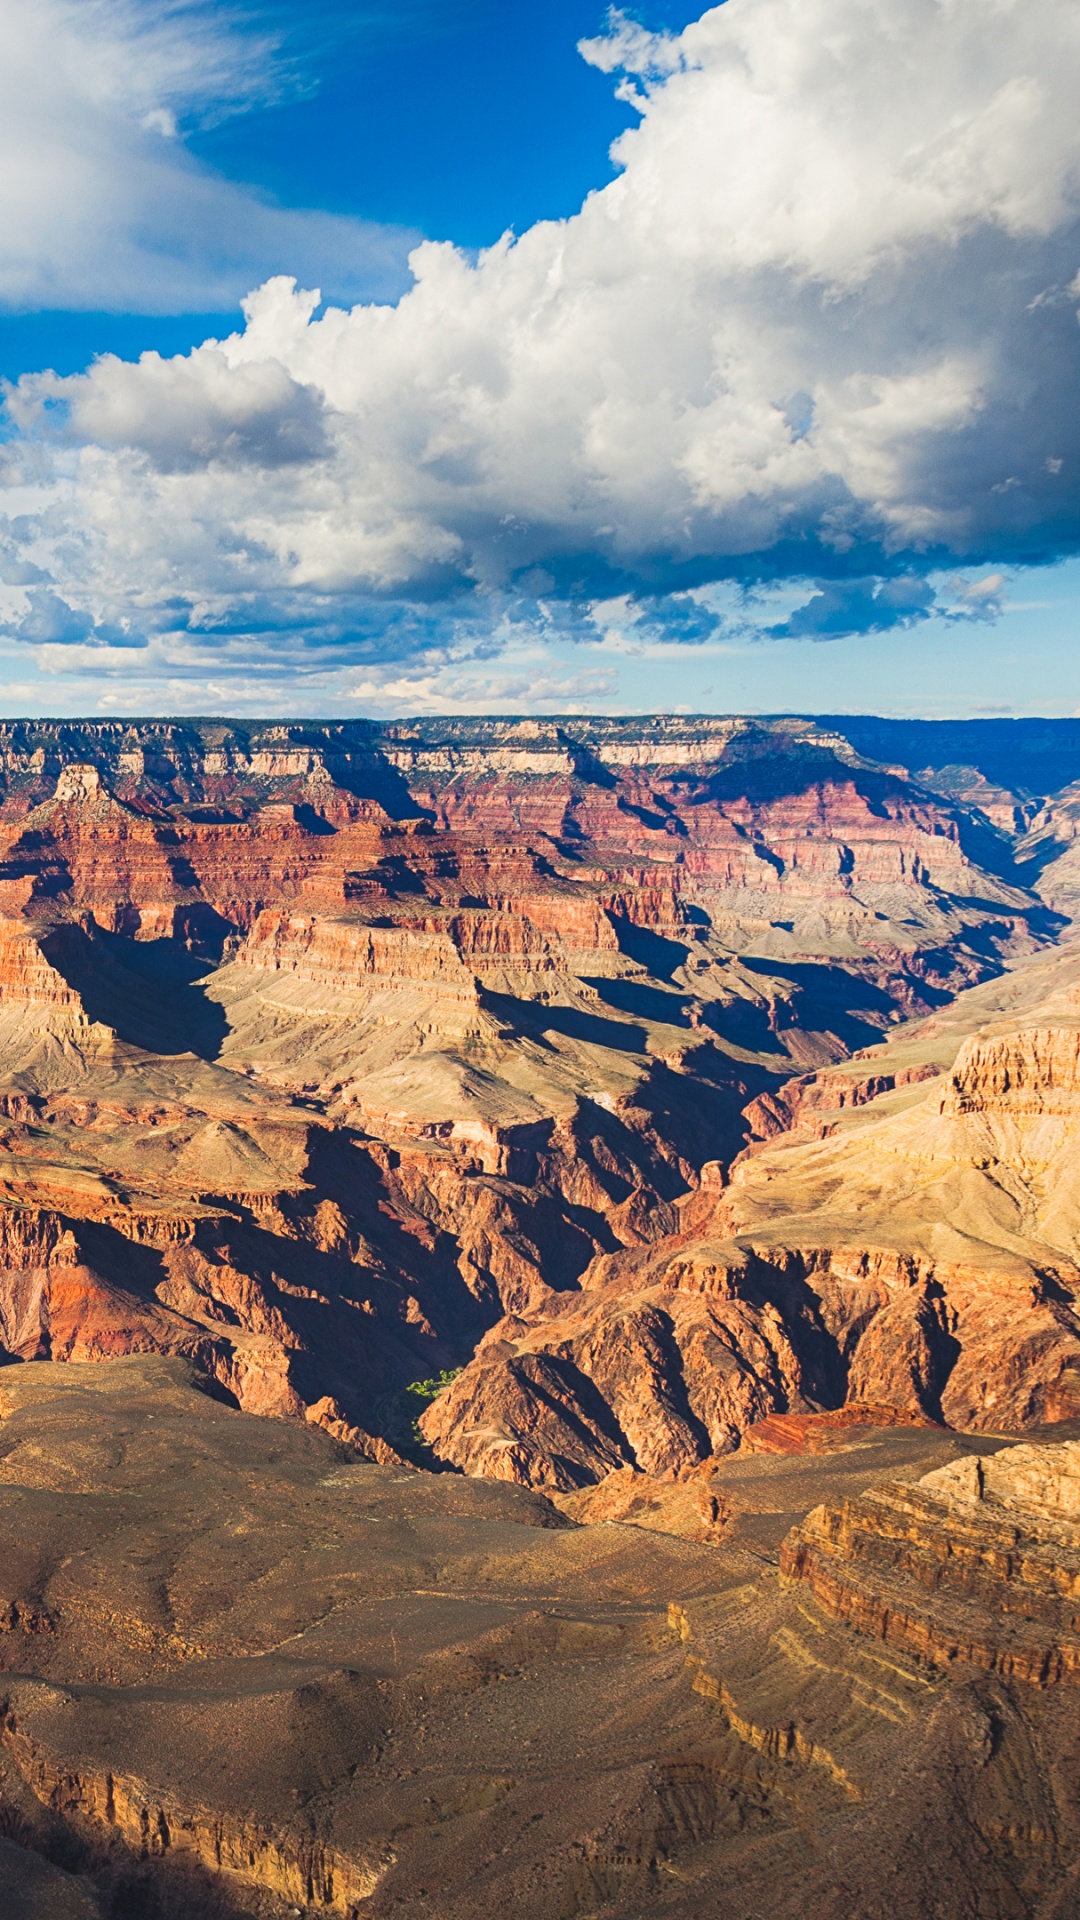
x,y
242,1673
920,1253
979,1562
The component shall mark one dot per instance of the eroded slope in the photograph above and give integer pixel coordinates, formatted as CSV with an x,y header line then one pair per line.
x,y
910,1240
243,1674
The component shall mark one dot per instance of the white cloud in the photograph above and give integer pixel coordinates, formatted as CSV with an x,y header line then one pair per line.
x,y
629,48
816,322
102,205
445,687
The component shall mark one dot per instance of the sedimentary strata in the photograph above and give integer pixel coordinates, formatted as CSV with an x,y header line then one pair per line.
x,y
325,1049
915,1248
979,1561
665,1129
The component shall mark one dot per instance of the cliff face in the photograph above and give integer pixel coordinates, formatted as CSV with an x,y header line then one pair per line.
x,y
978,1561
684,1114
324,1048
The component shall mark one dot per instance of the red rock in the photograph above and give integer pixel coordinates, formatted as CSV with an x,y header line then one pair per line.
x,y
817,1432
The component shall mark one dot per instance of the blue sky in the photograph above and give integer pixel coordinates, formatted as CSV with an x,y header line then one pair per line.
x,y
770,400
455,119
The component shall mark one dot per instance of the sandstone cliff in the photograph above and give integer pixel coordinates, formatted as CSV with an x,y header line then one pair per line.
x,y
979,1562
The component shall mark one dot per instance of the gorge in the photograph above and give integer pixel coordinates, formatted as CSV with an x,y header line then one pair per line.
x,y
559,1226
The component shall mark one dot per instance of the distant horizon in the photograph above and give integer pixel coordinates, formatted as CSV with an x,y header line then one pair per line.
x,y
524,716
535,719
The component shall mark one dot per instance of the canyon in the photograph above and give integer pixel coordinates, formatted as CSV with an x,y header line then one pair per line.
x,y
324,1050
586,1204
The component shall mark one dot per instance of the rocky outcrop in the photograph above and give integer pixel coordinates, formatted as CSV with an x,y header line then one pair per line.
x,y
978,1562
668,1357
27,978
921,1258
813,1433
346,956
156,1825
1033,1074
809,1100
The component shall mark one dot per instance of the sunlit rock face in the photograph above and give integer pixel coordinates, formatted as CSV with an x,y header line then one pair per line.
x,y
906,1237
977,1561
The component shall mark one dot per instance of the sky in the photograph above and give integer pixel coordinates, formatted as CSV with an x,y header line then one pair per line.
x,y
476,356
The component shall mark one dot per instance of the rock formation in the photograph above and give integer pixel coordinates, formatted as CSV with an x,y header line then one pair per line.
x,y
324,1047
910,1240
979,1562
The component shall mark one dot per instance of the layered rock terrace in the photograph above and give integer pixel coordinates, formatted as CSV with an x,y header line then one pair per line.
x,y
979,1561
665,1128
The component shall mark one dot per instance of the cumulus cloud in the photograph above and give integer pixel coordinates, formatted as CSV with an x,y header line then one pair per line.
x,y
822,326
186,413
104,207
